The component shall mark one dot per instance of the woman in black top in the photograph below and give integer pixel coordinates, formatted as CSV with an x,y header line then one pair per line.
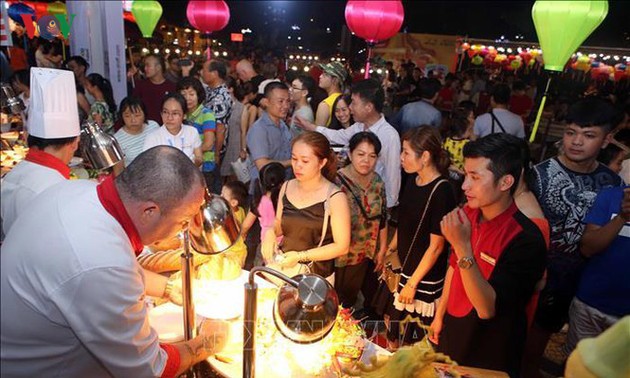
x,y
422,250
301,210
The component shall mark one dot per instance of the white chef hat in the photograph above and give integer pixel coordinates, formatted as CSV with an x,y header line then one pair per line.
x,y
53,111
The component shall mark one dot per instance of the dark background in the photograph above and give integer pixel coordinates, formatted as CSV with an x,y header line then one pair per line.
x,y
477,19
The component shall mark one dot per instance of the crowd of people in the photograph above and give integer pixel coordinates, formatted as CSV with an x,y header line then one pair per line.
x,y
496,251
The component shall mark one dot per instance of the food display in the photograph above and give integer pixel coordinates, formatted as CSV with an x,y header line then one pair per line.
x,y
10,158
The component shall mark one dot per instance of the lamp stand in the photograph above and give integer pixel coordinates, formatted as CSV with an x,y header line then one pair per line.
x,y
187,290
249,317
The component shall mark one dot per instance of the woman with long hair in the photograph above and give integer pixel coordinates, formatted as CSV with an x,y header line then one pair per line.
x,y
342,117
313,216
103,109
368,211
426,198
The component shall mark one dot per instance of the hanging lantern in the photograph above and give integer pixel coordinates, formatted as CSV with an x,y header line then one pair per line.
x,y
57,8
147,15
374,21
465,46
477,60
562,26
208,16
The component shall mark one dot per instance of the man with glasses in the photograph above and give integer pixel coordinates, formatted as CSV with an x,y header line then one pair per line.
x,y
300,90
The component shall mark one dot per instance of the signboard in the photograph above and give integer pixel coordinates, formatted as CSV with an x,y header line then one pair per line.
x,y
427,51
236,37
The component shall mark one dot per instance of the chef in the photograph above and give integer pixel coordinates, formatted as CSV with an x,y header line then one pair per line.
x,y
72,290
53,138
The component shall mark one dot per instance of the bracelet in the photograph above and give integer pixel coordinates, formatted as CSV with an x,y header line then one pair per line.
x,y
303,256
168,289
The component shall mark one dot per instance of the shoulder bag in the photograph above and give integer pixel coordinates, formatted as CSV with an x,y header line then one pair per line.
x,y
390,275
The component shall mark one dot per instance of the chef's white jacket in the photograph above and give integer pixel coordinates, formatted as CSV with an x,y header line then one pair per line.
x,y
73,293
25,181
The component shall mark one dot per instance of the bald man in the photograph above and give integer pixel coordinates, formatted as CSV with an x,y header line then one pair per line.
x,y
245,72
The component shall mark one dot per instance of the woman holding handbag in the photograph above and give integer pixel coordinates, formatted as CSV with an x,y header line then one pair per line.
x,y
313,216
418,240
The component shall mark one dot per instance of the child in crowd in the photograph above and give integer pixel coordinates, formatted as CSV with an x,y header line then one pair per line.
x,y
235,192
265,202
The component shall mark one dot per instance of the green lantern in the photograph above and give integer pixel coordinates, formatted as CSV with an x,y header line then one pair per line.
x,y
562,26
147,15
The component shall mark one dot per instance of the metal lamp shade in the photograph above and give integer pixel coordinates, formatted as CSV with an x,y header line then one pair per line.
x,y
306,314
9,102
99,148
213,229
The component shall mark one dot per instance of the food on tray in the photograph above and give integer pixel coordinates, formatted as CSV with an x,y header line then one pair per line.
x,y
411,361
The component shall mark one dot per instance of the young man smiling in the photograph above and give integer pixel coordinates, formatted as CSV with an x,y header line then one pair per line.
x,y
566,187
497,257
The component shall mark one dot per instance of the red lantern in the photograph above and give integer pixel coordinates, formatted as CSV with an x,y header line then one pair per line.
x,y
208,16
465,46
374,20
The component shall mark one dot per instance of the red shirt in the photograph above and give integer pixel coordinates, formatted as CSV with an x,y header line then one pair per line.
x,y
521,105
152,96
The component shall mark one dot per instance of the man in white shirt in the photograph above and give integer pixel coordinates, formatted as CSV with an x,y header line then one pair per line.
x,y
499,119
73,293
368,98
53,138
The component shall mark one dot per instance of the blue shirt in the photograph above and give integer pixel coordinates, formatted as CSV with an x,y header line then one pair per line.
x,y
416,114
605,284
265,139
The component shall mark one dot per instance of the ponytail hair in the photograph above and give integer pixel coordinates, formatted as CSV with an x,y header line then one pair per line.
x,y
427,138
105,86
321,149
270,179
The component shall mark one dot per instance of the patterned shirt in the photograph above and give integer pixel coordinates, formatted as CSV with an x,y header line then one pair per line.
x,y
220,102
203,120
455,148
566,197
368,209
101,108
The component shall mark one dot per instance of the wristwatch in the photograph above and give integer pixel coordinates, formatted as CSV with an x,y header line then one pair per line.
x,y
465,262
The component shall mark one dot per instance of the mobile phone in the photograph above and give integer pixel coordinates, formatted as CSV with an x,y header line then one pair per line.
x,y
185,62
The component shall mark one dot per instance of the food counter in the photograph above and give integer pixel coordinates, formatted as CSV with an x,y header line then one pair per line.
x,y
336,355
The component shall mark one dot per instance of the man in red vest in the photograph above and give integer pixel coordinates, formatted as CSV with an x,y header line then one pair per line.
x,y
497,257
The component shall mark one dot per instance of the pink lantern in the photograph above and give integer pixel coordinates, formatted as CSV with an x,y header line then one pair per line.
x,y
374,21
208,17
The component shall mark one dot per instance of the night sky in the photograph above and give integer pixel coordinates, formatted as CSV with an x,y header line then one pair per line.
x,y
478,19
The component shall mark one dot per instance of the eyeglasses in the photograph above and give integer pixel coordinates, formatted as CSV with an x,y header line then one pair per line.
x,y
296,89
166,114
